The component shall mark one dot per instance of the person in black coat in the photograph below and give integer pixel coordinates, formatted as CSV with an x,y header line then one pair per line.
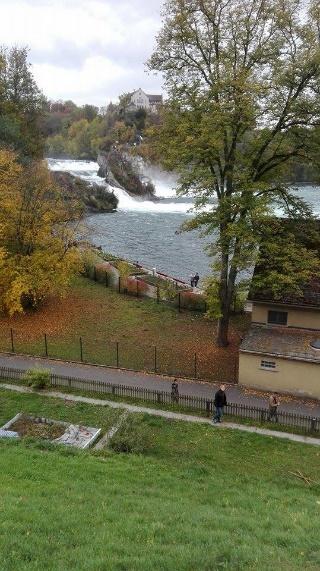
x,y
220,401
174,391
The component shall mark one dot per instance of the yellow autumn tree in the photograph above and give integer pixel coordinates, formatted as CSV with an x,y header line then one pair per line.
x,y
37,252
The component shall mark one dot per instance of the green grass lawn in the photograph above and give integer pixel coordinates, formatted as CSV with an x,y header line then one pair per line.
x,y
196,499
103,318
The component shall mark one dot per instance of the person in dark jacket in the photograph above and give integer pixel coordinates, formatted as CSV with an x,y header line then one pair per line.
x,y
220,401
196,279
174,391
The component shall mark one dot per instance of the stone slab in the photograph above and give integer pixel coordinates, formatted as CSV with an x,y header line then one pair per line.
x,y
8,434
79,436
74,435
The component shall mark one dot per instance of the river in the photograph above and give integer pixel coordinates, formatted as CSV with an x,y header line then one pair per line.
x,y
145,231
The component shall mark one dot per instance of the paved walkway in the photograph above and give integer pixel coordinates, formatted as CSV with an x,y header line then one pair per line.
x,y
168,414
235,394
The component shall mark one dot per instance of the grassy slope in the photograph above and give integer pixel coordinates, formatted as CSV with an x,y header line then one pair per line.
x,y
103,317
199,499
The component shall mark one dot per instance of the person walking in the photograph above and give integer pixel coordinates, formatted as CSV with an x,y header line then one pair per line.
x,y
220,401
174,391
274,402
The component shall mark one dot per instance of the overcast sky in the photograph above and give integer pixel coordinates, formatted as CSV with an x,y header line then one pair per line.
x,y
89,51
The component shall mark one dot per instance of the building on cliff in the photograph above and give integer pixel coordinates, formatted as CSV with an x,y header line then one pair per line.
x,y
281,351
142,100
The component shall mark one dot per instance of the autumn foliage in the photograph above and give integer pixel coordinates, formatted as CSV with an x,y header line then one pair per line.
x,y
37,253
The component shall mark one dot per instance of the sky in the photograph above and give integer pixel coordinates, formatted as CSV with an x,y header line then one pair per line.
x,y
89,51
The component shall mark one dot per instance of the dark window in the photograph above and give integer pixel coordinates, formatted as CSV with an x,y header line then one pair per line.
x,y
268,364
278,317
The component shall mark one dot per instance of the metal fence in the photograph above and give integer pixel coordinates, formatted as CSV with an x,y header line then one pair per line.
x,y
171,360
308,424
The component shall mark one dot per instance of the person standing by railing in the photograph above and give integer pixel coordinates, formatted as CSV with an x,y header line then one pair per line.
x,y
175,391
220,401
274,403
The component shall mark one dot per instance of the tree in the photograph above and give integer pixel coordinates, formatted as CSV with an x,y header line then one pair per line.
x,y
37,253
21,104
243,83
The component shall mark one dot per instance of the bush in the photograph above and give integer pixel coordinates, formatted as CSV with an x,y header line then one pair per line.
x,y
133,436
38,378
89,260
124,269
193,301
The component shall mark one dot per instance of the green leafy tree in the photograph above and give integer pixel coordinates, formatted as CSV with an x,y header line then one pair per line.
x,y
243,83
21,104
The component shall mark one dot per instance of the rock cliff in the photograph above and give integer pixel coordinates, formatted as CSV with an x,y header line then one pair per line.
x,y
122,171
92,197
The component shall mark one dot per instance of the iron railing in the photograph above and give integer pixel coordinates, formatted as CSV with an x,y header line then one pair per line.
x,y
309,424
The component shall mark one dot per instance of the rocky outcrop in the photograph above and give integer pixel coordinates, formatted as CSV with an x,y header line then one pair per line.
x,y
92,197
120,170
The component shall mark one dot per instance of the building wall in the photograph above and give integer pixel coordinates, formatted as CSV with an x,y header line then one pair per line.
x,y
296,377
140,99
304,318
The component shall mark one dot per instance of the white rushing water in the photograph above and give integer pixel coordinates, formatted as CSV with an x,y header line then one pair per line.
x,y
164,187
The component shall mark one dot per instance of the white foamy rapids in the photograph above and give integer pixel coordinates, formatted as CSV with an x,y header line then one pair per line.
x,y
164,185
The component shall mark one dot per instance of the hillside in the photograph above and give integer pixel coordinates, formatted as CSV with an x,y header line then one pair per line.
x,y
193,498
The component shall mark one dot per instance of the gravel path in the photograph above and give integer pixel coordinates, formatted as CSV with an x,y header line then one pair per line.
x,y
235,394
170,415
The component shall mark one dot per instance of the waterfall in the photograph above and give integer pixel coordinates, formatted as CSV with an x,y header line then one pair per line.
x,y
164,187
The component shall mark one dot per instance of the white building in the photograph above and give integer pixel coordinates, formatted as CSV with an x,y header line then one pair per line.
x,y
142,100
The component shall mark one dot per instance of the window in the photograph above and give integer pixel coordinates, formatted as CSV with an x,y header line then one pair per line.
x,y
268,365
278,317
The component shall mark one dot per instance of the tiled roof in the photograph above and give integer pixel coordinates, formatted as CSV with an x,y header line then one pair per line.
x,y
280,341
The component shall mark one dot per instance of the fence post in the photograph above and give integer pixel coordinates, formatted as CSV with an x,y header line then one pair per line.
x,y
195,366
137,288
262,416
117,350
155,359
179,302
81,349
208,407
159,398
46,344
107,279
158,294
12,343
119,284
313,425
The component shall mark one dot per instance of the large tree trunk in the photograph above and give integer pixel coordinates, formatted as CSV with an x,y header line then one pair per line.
x,y
223,323
226,293
222,331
